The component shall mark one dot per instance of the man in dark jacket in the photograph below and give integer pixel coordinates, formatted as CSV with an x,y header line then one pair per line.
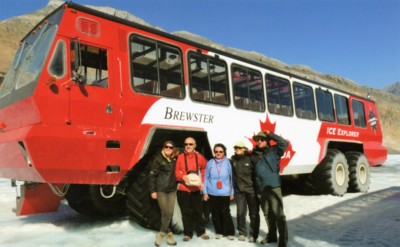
x,y
266,159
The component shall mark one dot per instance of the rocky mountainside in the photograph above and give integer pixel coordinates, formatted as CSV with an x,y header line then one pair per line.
x,y
13,30
394,88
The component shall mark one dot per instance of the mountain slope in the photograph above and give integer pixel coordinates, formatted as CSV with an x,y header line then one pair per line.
x,y
394,88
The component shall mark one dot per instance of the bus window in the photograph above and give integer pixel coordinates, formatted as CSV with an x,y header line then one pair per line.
x,y
325,106
156,68
304,101
279,95
170,70
94,66
208,79
58,60
247,89
358,114
342,109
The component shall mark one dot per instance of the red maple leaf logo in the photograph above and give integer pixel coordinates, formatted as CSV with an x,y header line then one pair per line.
x,y
289,153
287,156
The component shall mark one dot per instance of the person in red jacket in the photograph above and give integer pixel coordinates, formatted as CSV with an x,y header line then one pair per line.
x,y
190,168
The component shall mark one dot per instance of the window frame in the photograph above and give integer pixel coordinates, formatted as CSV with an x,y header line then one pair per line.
x,y
157,88
313,112
353,105
279,109
61,44
103,82
325,92
338,108
207,95
248,104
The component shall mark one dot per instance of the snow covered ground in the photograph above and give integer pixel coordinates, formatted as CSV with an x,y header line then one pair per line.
x,y
356,219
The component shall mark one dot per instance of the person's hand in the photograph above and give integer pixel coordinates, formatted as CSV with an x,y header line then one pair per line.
x,y
232,197
266,132
154,195
205,197
185,178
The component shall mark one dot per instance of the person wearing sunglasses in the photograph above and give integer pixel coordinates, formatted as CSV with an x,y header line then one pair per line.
x,y
266,159
190,167
219,191
245,193
162,185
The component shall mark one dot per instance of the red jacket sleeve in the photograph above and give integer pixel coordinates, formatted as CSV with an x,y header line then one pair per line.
x,y
180,169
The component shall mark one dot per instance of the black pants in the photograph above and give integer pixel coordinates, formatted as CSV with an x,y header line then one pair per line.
x,y
221,215
272,206
250,201
190,204
206,212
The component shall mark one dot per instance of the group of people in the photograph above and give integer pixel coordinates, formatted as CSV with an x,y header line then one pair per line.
x,y
251,177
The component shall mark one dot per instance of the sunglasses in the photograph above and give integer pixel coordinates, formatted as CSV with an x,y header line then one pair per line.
x,y
237,148
219,152
260,140
189,144
168,147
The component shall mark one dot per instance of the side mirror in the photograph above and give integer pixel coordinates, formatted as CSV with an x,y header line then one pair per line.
x,y
75,55
76,62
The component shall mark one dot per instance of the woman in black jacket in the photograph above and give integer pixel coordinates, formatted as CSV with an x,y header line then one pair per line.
x,y
245,193
162,186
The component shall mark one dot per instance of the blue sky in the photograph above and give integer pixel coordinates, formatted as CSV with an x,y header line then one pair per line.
x,y
355,39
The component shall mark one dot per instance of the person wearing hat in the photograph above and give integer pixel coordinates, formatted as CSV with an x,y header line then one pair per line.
x,y
266,159
162,186
245,193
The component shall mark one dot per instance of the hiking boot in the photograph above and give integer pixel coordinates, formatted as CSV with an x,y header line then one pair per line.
x,y
252,239
186,238
170,239
268,240
218,236
242,238
160,236
230,237
282,244
204,236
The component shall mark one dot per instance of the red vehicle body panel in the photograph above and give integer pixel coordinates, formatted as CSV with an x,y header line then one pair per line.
x,y
66,133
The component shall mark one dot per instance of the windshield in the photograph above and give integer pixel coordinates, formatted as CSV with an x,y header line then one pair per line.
x,y
29,59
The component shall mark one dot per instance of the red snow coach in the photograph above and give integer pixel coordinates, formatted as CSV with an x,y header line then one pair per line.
x,y
89,97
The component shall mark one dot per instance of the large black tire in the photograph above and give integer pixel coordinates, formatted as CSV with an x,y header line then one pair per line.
x,y
360,175
143,209
308,185
331,176
87,200
79,200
